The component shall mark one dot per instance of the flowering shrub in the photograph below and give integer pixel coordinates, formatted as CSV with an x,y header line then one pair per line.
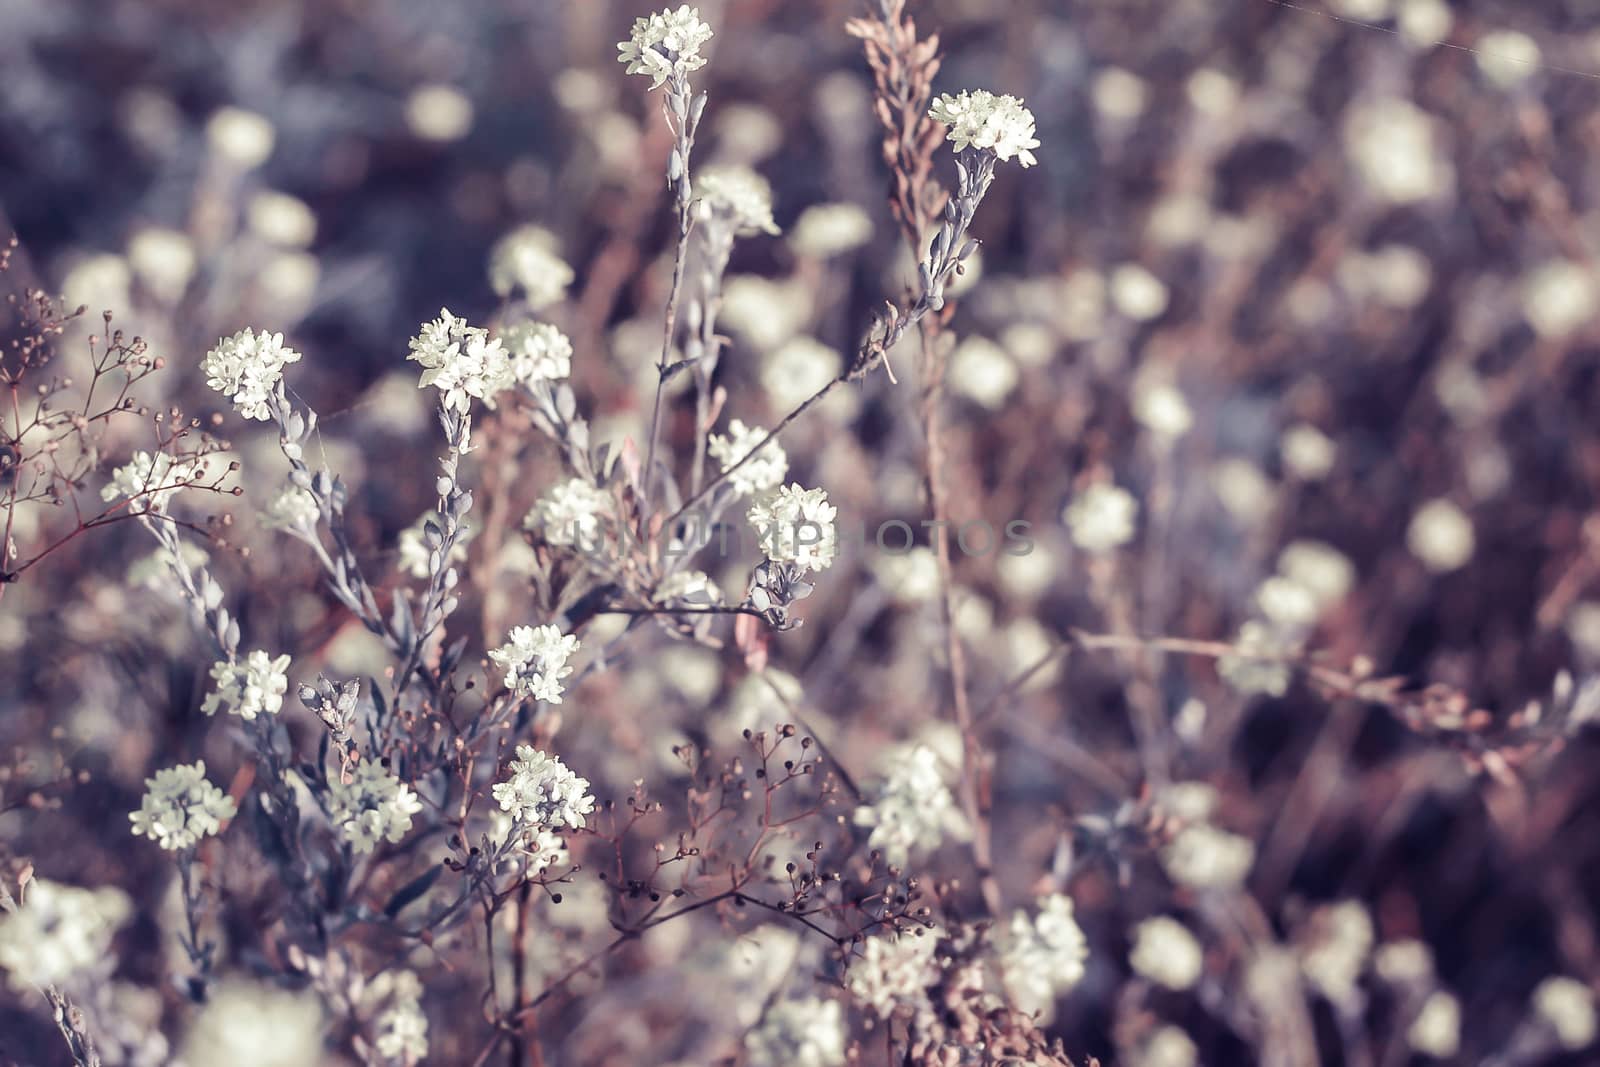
x,y
878,575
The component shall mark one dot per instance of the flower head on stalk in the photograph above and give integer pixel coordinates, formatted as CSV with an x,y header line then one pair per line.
x,y
247,367
665,44
460,361
980,119
180,807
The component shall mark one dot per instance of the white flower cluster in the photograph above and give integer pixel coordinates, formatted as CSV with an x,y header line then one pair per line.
x,y
894,970
543,793
181,806
539,353
293,508
59,931
249,688
402,1029
570,514
1202,856
739,196
1261,665
255,1024
535,660
1162,409
1567,1007
1333,950
1436,1031
796,526
1041,958
799,1033
824,230
247,367
416,558
461,361
1441,536
1165,952
149,480
765,471
526,259
913,808
374,806
981,119
1101,518
665,44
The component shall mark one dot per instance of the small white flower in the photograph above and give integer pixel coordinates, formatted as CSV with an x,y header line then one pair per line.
x,y
164,260
539,353
1403,962
1165,952
1204,857
1042,957
535,661
983,120
665,44
910,577
1242,489
1161,409
796,526
1169,1046
242,137
894,970
249,688
1425,23
799,1033
254,1024
180,807
1566,1005
1307,452
570,514
1440,535
1190,801
150,480
797,369
247,367
1436,1031
983,371
1137,293
1261,665
1559,298
1101,518
1392,143
403,1033
913,809
1334,950
460,361
765,471
293,508
826,230
526,259
1287,603
738,196
1319,567
439,113
282,219
59,932
542,793
1507,57
375,806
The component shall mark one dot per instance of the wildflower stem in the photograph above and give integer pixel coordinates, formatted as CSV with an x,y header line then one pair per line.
x,y
679,104
805,404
